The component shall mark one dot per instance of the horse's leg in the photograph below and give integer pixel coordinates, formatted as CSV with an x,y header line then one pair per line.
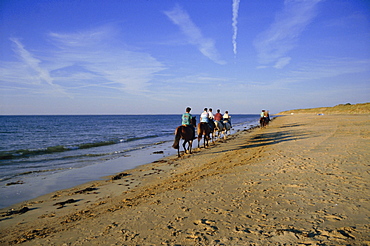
x,y
183,145
199,132
190,145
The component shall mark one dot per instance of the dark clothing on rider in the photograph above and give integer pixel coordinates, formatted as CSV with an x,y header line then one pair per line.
x,y
211,124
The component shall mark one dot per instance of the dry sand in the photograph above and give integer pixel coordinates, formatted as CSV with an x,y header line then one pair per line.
x,y
303,180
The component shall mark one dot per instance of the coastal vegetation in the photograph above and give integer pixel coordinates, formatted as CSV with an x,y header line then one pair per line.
x,y
360,108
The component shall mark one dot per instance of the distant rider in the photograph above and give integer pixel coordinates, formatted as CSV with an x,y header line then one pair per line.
x,y
204,117
210,114
218,116
211,118
227,118
265,114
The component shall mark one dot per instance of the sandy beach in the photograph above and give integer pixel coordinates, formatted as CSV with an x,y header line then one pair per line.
x,y
303,180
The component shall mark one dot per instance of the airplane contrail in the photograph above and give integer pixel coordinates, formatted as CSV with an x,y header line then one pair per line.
x,y
235,22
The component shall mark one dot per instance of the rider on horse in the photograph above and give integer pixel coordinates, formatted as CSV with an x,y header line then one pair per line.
x,y
219,126
265,114
211,119
218,116
227,117
265,118
187,120
204,118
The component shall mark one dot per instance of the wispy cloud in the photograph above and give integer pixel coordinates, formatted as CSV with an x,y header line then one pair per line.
x,y
28,71
327,68
282,62
87,59
235,23
273,44
195,37
104,64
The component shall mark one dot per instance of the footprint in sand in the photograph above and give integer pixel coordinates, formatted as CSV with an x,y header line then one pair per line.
x,y
207,226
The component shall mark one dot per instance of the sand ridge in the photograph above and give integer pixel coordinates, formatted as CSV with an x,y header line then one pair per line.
x,y
303,180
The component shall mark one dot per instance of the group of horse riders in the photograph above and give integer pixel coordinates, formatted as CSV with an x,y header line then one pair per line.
x,y
206,117
209,124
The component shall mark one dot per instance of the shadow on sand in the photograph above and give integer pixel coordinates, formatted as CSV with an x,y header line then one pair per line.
x,y
282,134
271,138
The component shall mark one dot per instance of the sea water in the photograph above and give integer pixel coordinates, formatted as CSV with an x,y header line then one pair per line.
x,y
42,154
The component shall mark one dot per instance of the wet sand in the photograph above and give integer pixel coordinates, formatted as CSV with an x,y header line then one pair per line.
x,y
303,180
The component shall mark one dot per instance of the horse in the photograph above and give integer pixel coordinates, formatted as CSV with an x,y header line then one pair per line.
x,y
227,126
264,121
186,133
203,129
212,128
219,128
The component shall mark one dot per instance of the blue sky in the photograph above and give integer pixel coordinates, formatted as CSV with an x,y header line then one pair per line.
x,y
158,57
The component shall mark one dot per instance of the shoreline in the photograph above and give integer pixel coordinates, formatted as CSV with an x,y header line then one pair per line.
x,y
302,179
31,187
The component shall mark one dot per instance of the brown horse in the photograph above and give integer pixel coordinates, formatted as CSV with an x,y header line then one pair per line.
x,y
264,121
203,130
186,133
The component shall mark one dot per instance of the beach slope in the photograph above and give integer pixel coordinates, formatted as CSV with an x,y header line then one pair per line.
x,y
360,108
303,180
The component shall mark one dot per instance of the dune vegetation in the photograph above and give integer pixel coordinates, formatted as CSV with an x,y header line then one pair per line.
x,y
360,108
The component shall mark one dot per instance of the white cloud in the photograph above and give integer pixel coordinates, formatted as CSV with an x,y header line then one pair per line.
x,y
123,69
87,59
327,68
282,62
28,71
235,8
195,37
282,35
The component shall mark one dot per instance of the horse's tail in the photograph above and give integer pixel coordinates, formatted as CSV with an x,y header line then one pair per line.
x,y
199,130
176,143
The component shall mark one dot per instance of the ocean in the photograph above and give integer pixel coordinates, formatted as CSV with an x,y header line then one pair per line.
x,y
42,154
